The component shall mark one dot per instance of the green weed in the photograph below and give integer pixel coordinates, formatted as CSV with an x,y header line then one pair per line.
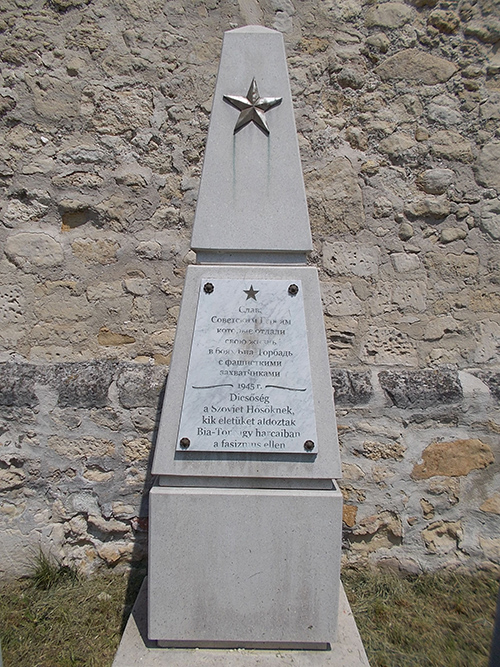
x,y
47,571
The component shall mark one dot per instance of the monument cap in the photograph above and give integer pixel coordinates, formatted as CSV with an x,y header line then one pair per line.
x,y
252,196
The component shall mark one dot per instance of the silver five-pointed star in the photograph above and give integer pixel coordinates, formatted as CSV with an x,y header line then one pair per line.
x,y
252,108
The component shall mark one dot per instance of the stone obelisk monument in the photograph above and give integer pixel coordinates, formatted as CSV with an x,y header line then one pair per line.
x,y
245,519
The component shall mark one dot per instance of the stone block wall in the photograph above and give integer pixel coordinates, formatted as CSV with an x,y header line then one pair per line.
x,y
104,110
75,460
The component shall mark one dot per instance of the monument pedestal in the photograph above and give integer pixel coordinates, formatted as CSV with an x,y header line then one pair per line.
x,y
136,649
260,564
245,520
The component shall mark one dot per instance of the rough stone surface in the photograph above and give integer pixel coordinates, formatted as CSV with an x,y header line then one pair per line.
x,y
387,346
351,387
436,181
451,145
17,385
103,122
383,450
421,389
81,448
453,459
492,504
375,532
83,385
492,379
397,145
342,259
491,548
109,338
445,21
139,387
442,537
335,198
101,251
450,234
389,15
490,218
137,449
429,207
414,64
487,166
349,515
487,31
33,249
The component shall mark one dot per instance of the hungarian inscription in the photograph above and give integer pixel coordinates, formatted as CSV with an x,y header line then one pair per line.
x,y
248,385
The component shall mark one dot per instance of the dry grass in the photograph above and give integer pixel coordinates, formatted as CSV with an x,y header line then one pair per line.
x,y
440,620
425,621
71,622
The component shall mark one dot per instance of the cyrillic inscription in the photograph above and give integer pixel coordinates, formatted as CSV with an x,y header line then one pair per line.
x,y
248,385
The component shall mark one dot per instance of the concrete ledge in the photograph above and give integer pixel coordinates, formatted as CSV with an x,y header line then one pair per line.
x,y
136,649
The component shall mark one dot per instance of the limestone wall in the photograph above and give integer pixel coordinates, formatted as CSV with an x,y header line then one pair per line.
x,y
104,109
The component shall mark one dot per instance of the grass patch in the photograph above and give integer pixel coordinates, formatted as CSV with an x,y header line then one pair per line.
x,y
59,620
432,620
71,622
48,572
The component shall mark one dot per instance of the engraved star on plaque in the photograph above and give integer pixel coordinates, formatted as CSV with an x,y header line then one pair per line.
x,y
251,293
252,108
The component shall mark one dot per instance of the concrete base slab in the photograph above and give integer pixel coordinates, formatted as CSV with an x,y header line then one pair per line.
x,y
136,649
252,568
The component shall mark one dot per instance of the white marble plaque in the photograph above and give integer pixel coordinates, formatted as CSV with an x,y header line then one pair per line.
x,y
248,385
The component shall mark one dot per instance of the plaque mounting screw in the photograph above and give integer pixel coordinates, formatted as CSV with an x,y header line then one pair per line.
x,y
184,443
208,288
293,289
308,445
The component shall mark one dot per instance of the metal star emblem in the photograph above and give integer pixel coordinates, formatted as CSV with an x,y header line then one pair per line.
x,y
252,108
251,293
